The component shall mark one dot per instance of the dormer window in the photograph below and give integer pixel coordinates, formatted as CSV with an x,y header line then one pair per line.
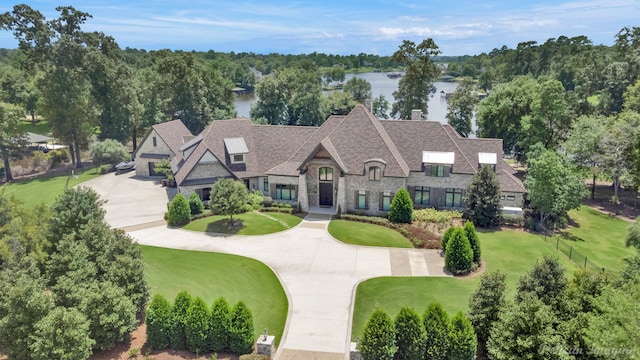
x,y
489,159
237,150
375,173
437,163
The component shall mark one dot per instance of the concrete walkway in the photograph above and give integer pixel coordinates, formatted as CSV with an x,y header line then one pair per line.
x,y
319,274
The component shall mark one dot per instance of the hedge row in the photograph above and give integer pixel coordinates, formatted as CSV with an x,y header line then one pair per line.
x,y
189,324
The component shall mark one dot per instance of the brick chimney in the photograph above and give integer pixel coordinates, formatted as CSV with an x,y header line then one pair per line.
x,y
368,104
416,114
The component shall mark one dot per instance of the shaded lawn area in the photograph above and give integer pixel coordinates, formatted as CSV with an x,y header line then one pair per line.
x,y
512,252
357,233
41,127
252,224
598,236
211,275
45,190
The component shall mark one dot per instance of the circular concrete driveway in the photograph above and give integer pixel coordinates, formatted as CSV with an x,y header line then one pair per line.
x,y
319,274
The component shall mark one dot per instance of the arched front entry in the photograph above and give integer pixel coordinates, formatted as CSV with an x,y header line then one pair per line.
x,y
325,187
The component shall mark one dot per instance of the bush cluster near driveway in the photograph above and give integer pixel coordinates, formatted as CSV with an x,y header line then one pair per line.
x,y
252,223
358,233
211,275
44,190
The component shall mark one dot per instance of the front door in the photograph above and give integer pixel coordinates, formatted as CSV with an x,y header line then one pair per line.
x,y
326,194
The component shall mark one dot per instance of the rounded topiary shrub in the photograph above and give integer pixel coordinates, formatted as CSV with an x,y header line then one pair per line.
x,y
219,328
474,240
458,257
401,208
195,204
179,211
241,326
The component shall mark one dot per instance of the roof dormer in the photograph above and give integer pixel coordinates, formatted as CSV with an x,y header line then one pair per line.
x,y
237,149
438,163
490,159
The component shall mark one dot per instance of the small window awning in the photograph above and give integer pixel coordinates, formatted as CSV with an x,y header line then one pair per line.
x,y
236,146
438,157
487,158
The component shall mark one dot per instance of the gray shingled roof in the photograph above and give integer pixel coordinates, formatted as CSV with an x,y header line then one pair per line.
x,y
172,133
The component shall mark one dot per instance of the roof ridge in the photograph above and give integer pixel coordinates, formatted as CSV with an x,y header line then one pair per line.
x,y
514,179
459,149
388,142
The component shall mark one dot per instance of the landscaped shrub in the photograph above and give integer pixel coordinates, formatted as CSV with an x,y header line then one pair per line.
x,y
241,326
446,236
401,208
51,343
277,210
177,338
379,337
255,199
197,326
158,320
105,168
463,339
410,335
195,204
440,217
219,326
109,152
437,326
474,241
458,257
376,220
179,211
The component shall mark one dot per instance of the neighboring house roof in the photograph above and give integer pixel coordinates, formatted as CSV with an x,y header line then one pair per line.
x,y
173,133
37,138
350,140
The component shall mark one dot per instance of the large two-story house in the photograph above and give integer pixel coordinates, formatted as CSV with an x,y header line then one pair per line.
x,y
354,162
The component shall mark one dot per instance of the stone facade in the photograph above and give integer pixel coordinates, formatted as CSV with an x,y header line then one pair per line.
x,y
313,180
512,199
374,189
284,180
151,151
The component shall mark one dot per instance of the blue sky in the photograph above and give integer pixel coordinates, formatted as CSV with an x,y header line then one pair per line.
x,y
345,27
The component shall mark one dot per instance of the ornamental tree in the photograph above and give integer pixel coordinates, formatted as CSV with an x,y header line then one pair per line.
x,y
229,197
482,198
158,320
197,326
458,257
379,337
463,338
220,324
474,240
109,152
241,330
410,335
437,326
401,208
177,337
485,304
179,211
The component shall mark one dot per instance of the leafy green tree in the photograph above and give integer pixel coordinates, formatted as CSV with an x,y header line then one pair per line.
x,y
340,103
482,198
229,197
584,144
177,337
458,257
197,326
474,241
195,204
220,325
334,74
111,315
526,328
633,234
241,330
110,152
179,211
380,107
360,89
73,210
554,186
437,326
416,85
273,102
410,335
62,334
463,339
401,208
461,106
158,320
485,305
446,237
546,281
12,136
379,338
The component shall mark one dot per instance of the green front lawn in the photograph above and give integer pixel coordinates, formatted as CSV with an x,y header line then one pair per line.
x,y
45,190
358,233
211,275
41,127
252,223
512,252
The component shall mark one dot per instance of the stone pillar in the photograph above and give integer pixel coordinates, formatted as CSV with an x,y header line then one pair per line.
x,y
341,200
354,353
265,345
303,194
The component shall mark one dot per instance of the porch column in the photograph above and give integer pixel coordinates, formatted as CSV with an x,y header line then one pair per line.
x,y
303,196
341,200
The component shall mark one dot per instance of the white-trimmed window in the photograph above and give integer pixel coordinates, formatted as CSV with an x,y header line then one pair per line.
x,y
362,199
237,159
385,200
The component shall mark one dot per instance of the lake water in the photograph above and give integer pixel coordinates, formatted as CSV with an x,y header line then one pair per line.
x,y
380,84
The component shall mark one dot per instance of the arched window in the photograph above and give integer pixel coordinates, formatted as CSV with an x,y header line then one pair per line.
x,y
325,174
374,173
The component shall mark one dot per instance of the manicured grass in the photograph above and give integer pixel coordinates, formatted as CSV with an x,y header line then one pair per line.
x,y
211,275
45,190
512,252
252,224
41,127
598,236
357,233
